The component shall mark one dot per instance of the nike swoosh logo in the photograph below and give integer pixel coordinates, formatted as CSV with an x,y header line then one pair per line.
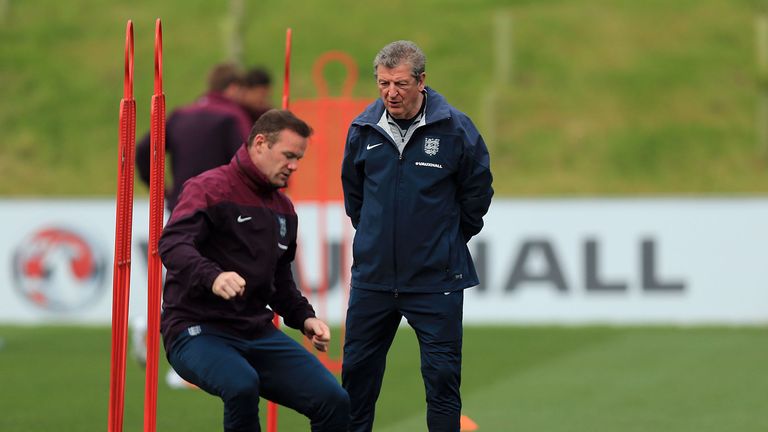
x,y
241,219
446,293
370,146
282,246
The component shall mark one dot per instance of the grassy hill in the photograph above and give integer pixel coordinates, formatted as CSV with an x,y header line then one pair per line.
x,y
597,96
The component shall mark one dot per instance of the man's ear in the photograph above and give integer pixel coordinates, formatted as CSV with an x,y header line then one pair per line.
x,y
258,142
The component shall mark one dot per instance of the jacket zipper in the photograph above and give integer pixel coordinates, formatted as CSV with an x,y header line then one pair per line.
x,y
398,175
401,160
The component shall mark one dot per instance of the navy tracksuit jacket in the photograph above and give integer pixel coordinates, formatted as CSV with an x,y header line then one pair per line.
x,y
414,213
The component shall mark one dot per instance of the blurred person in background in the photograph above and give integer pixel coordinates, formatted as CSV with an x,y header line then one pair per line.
x,y
206,133
417,183
257,92
228,249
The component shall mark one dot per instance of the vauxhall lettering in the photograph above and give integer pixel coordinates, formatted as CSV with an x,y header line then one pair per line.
x,y
547,271
536,263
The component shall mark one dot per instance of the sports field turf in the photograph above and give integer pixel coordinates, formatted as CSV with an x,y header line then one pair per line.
x,y
515,379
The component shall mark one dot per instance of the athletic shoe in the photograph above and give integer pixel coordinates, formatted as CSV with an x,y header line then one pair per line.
x,y
174,381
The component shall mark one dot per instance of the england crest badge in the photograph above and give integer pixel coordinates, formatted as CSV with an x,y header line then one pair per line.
x,y
431,146
283,228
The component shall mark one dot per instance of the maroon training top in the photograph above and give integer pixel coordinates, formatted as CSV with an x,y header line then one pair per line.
x,y
230,219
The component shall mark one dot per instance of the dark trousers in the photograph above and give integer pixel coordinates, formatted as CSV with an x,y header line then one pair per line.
x,y
372,321
273,366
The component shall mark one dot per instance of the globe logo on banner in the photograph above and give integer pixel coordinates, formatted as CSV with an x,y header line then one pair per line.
x,y
58,270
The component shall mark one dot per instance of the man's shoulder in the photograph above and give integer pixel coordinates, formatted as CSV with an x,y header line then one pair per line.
x,y
204,191
370,115
213,183
213,110
221,175
211,107
438,109
438,106
223,185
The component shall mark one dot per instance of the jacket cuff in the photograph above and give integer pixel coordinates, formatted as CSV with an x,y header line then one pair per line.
x,y
296,320
209,276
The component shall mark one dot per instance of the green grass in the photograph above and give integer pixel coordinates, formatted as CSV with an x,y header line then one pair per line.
x,y
698,379
604,97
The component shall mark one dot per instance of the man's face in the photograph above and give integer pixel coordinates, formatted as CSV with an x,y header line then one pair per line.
x,y
278,162
399,90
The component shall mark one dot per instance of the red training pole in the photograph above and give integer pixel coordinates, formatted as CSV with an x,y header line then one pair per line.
x,y
156,216
271,406
121,274
287,82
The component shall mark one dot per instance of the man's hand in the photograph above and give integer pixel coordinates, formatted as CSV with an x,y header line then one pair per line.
x,y
318,332
227,285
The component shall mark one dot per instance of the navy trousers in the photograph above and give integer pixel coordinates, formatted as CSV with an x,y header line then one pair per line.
x,y
372,321
273,366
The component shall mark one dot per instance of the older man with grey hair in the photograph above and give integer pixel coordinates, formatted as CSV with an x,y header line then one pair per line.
x,y
417,183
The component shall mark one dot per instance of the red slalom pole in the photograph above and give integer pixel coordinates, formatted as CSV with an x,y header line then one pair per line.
x,y
156,216
287,81
121,275
271,406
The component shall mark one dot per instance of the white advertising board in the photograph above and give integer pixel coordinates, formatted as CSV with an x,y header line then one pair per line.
x,y
555,261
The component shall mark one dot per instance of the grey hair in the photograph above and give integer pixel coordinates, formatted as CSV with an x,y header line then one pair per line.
x,y
399,52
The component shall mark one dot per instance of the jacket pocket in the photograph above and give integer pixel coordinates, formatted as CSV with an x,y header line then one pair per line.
x,y
443,252
362,249
450,264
